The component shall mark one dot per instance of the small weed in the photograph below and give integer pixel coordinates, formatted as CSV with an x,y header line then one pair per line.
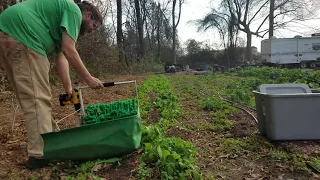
x,y
298,164
220,167
219,114
213,103
198,126
258,144
279,155
86,168
209,176
232,146
143,171
83,177
221,124
315,163
14,176
33,176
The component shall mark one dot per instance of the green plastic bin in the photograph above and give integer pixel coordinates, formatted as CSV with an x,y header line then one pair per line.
x,y
102,140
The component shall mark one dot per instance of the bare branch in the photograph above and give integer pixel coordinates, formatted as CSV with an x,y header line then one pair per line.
x,y
254,16
180,5
246,12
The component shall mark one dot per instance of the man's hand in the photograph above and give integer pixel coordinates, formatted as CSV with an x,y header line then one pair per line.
x,y
94,83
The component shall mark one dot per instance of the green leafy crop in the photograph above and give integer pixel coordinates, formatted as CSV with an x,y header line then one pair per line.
x,y
173,157
105,112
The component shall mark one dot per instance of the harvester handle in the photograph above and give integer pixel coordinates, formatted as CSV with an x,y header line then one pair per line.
x,y
109,84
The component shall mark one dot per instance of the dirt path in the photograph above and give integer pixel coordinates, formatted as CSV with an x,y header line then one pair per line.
x,y
13,144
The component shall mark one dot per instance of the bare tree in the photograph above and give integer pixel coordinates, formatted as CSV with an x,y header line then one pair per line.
x,y
159,15
119,31
271,18
224,24
257,12
140,28
175,25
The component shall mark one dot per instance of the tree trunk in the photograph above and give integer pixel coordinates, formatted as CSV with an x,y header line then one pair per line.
x,y
271,18
248,49
140,28
158,31
174,32
119,31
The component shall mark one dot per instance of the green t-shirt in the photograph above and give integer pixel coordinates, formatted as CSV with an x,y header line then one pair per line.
x,y
39,24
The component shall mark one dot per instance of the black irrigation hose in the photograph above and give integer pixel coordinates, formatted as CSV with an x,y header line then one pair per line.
x,y
234,104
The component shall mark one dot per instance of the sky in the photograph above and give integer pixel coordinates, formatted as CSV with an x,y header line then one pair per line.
x,y
197,9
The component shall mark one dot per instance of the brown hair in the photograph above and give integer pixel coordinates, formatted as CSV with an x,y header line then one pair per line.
x,y
86,6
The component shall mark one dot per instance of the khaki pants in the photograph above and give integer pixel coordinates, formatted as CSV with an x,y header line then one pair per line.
x,y
28,73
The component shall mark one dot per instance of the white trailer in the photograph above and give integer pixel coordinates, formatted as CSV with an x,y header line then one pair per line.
x,y
297,51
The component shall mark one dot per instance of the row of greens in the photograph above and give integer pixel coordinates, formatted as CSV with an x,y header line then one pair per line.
x,y
163,157
277,75
208,95
250,79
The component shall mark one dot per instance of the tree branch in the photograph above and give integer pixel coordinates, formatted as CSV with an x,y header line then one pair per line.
x,y
180,5
264,20
262,6
246,12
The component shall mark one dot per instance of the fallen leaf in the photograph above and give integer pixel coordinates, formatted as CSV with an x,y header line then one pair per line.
x,y
250,178
234,156
224,156
63,174
316,176
12,142
280,176
255,175
221,177
96,168
280,165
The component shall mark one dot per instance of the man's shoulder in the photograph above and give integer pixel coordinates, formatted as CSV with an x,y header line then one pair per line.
x,y
71,5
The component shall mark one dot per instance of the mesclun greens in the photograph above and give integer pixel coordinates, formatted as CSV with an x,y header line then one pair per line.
x,y
173,157
249,79
102,112
167,158
276,75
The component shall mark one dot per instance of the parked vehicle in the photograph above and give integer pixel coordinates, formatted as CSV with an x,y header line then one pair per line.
x,y
291,52
172,68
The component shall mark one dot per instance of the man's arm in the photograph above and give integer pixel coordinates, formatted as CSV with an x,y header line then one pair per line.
x,y
72,55
63,72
